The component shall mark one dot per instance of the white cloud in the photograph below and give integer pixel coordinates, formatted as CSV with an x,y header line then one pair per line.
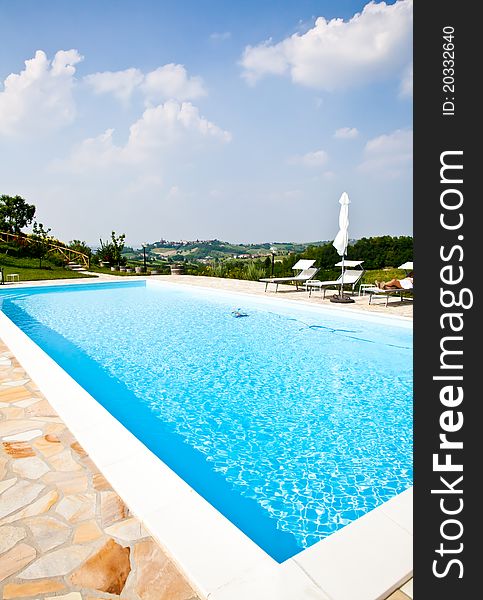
x,y
389,155
159,130
406,86
39,98
172,82
262,60
311,159
169,82
93,153
119,83
346,133
220,37
337,54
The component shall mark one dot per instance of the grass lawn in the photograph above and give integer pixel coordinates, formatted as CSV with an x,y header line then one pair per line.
x,y
369,276
28,269
383,275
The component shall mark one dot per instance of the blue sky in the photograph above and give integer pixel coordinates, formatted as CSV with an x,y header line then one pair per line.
x,y
184,120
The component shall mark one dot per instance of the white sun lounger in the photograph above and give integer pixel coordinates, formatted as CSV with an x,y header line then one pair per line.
x,y
305,275
351,277
387,293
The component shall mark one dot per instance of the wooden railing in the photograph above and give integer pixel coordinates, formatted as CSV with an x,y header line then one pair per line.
x,y
69,254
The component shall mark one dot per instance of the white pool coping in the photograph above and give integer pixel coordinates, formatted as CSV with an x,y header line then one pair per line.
x,y
367,559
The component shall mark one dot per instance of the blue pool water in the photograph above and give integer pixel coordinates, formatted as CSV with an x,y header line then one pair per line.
x,y
291,422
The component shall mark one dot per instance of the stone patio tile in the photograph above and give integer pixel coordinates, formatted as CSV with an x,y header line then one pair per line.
x,y
15,382
9,536
88,464
112,508
397,595
32,589
30,468
68,483
7,483
48,532
78,449
27,402
18,449
68,438
3,466
156,576
64,462
57,420
100,483
14,394
129,530
40,506
12,412
48,445
105,571
407,588
15,559
56,428
70,596
77,507
16,497
87,532
40,409
57,563
25,436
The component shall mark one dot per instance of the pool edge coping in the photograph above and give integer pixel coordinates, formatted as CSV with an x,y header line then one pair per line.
x,y
321,571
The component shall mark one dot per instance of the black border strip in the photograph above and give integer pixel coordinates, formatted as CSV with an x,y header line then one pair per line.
x,y
455,131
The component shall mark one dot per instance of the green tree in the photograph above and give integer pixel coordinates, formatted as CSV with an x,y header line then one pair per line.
x,y
41,241
118,246
81,246
15,213
110,251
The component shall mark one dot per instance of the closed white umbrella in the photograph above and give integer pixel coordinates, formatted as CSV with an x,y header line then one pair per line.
x,y
341,241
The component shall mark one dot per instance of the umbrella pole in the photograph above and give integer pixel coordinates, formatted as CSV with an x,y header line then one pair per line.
x,y
342,278
340,297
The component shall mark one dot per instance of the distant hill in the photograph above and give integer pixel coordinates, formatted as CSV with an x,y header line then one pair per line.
x,y
214,249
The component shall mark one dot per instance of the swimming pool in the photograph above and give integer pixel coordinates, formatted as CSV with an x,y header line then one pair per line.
x,y
291,422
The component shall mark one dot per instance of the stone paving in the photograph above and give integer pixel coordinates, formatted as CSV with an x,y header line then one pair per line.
x,y
64,532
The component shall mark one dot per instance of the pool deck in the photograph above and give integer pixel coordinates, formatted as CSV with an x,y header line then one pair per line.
x,y
64,532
